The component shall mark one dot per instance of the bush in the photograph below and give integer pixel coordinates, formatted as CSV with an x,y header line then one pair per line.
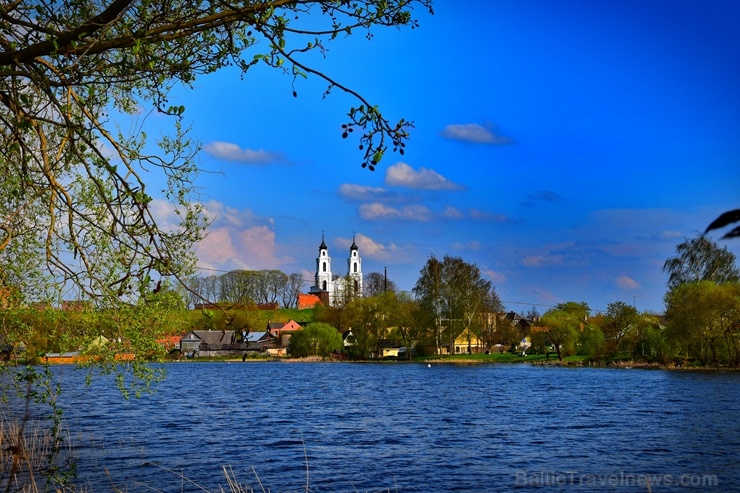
x,y
317,339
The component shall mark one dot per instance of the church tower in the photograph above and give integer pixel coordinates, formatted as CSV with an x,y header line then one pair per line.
x,y
342,289
323,268
354,269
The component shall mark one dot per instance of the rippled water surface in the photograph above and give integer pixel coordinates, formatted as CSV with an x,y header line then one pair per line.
x,y
412,428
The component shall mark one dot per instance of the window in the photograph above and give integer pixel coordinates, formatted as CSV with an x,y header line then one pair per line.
x,y
324,286
354,254
355,266
324,266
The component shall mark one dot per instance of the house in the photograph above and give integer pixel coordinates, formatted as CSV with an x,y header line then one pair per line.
x,y
11,351
75,357
170,342
468,342
213,342
223,342
518,321
390,349
282,331
259,337
348,340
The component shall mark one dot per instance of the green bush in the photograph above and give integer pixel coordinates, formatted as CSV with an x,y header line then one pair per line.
x,y
317,339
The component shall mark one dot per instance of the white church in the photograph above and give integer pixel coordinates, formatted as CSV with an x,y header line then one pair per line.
x,y
333,288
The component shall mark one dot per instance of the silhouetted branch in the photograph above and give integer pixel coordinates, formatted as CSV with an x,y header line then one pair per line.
x,y
723,220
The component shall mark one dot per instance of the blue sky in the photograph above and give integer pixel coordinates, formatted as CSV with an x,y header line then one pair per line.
x,y
564,147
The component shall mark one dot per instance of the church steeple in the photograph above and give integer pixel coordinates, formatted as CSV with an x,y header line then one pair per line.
x,y
354,268
342,289
323,267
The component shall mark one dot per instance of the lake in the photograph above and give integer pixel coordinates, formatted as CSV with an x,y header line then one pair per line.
x,y
411,428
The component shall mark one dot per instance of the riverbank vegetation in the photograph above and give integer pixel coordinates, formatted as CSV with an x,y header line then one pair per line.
x,y
453,312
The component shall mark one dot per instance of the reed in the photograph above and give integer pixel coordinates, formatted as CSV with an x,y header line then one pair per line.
x,y
31,458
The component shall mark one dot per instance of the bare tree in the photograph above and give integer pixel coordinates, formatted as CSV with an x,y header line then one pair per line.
x,y
376,283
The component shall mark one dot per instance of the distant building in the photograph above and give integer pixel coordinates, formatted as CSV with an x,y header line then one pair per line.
x,y
337,290
308,301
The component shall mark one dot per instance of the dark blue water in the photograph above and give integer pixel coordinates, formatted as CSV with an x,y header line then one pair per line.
x,y
411,428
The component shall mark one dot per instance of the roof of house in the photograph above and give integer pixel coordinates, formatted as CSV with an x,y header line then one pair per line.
x,y
307,301
517,319
292,325
210,336
258,336
169,340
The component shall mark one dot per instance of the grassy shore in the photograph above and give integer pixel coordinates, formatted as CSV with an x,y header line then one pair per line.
x,y
496,358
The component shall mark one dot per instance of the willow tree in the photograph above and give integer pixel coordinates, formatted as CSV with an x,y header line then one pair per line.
x,y
704,321
701,259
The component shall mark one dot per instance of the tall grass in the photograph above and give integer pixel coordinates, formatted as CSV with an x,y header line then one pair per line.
x,y
31,460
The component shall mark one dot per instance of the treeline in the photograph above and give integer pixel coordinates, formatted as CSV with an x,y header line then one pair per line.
x,y
263,287
620,333
245,287
452,300
449,297
701,322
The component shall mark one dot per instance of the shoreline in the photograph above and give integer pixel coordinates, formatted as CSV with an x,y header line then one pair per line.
x,y
623,365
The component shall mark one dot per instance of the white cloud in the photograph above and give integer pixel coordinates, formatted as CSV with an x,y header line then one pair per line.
x,y
258,245
403,175
474,133
452,213
238,239
495,276
164,213
377,211
232,152
626,282
366,194
216,251
223,215
370,248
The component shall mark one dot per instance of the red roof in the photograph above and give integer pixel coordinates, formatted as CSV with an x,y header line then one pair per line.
x,y
169,342
307,301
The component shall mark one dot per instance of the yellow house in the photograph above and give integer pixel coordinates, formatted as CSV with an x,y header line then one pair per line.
x,y
468,343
